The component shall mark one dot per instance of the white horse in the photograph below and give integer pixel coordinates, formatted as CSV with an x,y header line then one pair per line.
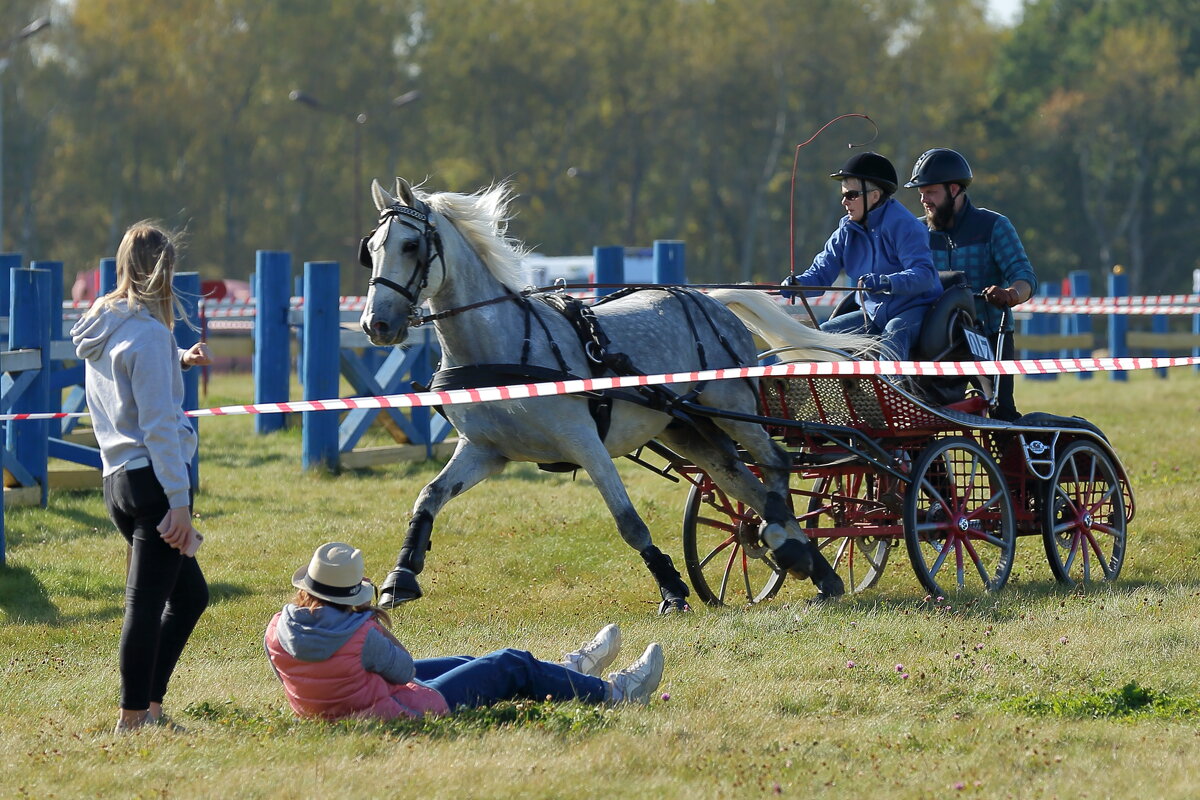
x,y
452,250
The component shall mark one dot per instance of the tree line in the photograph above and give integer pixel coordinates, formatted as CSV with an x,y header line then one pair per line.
x,y
258,124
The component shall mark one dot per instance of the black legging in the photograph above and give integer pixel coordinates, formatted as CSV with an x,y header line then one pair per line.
x,y
165,591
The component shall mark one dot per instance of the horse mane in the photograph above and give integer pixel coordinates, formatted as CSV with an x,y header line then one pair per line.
x,y
482,219
771,324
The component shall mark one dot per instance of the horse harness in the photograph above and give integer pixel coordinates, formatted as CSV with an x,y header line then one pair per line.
x,y
582,318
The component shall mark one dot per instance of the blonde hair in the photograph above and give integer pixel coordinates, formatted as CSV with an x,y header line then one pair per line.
x,y
145,266
305,600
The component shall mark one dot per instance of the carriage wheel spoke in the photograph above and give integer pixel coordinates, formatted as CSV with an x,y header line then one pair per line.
x,y
726,572
969,489
979,565
719,524
1093,508
713,553
942,553
746,575
867,555
1094,546
927,486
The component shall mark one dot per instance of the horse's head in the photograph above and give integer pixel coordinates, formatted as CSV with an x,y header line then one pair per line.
x,y
400,253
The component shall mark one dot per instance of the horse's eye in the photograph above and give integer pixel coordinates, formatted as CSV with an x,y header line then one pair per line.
x,y
409,247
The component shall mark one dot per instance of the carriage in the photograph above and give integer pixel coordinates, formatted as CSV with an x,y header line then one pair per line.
x,y
874,464
811,475
877,461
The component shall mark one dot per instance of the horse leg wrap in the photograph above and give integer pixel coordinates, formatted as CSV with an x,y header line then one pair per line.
x,y
824,577
416,542
401,585
776,509
670,583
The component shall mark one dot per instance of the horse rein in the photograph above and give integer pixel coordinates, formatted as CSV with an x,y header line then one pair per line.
x,y
431,241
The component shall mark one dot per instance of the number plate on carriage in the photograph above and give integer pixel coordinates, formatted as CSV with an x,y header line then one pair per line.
x,y
980,347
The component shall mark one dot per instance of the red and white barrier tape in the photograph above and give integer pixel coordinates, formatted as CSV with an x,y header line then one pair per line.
x,y
1056,305
1135,300
1139,304
831,369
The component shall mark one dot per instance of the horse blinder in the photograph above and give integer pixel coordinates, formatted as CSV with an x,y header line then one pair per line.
x,y
364,250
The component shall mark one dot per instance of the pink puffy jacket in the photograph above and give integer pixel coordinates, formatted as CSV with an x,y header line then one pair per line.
x,y
339,686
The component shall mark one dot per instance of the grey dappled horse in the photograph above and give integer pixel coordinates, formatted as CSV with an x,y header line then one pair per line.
x,y
451,249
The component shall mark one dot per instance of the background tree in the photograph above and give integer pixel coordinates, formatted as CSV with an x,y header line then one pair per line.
x,y
617,121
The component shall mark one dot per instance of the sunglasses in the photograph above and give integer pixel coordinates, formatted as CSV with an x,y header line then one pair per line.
x,y
851,196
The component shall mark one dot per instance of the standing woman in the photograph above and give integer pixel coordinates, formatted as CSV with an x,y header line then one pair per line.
x,y
135,396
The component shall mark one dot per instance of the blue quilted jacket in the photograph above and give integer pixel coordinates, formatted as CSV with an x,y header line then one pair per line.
x,y
896,245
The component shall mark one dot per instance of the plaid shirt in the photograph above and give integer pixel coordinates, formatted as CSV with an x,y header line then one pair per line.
x,y
985,247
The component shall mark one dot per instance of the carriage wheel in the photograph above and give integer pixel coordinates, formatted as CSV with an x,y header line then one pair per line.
x,y
725,559
1083,526
959,523
844,501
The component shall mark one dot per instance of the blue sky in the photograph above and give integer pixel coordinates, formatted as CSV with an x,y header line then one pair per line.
x,y
1004,10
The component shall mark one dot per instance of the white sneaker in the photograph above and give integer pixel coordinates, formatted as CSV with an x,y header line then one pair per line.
x,y
595,656
637,682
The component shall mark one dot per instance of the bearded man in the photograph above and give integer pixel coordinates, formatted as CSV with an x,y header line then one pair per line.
x,y
979,243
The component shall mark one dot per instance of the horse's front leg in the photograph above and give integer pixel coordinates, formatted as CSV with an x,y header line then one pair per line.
x,y
469,465
599,466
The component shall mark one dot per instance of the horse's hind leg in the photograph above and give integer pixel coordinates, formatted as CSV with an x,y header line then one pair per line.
x,y
599,466
714,452
775,466
469,465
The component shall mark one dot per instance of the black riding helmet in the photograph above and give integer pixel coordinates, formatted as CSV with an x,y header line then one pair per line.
x,y
869,167
872,167
940,165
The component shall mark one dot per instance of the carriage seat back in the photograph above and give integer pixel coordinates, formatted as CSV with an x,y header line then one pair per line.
x,y
940,336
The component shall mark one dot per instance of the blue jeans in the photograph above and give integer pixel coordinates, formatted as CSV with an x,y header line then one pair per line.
x,y
505,675
897,335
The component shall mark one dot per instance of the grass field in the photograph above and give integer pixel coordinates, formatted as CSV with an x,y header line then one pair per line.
x,y
1034,692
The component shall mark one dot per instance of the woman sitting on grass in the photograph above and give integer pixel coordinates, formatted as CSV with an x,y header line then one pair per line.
x,y
336,657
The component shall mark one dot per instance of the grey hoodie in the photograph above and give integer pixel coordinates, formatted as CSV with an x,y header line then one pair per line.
x,y
315,634
135,395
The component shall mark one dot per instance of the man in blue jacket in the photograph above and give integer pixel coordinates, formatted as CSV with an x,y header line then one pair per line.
x,y
980,243
884,249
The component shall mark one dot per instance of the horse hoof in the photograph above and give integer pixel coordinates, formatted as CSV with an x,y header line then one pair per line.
x,y
793,557
822,598
832,586
400,587
675,605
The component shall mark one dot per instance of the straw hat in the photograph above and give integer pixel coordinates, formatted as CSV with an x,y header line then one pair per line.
x,y
335,574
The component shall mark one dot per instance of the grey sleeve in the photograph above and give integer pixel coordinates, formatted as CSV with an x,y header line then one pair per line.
x,y
390,660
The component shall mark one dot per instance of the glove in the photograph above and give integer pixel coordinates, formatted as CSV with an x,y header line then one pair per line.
x,y
790,280
1001,297
874,282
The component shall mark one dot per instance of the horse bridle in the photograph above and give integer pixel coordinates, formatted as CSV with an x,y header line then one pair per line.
x,y
431,242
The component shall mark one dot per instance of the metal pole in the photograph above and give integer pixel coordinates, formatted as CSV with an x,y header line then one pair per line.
x,y
3,64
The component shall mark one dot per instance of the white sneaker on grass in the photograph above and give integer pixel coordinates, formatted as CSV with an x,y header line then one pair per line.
x,y
637,682
595,656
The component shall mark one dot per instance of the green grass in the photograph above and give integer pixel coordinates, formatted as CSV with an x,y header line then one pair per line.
x,y
1034,692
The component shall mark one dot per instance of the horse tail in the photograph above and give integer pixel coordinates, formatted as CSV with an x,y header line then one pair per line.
x,y
778,329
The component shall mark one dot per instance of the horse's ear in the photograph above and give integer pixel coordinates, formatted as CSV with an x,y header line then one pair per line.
x,y
381,197
404,192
